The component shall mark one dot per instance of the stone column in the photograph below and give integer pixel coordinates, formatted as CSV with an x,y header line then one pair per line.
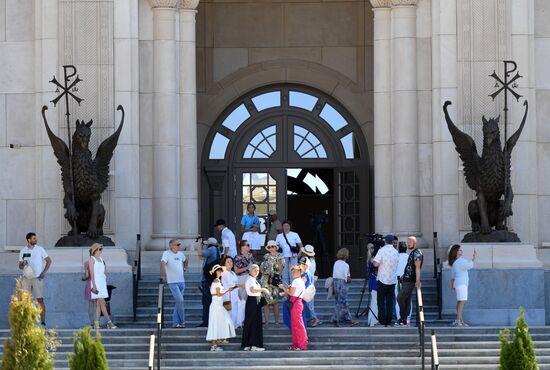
x,y
525,220
406,201
444,157
166,149
383,201
189,223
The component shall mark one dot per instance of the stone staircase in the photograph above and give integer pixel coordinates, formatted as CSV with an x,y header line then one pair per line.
x,y
330,348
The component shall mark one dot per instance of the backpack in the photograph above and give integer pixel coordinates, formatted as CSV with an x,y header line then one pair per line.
x,y
309,293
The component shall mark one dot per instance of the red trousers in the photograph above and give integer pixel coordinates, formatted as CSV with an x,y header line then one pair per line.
x,y
299,335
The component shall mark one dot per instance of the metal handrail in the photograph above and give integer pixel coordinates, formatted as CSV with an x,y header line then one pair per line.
x,y
160,322
435,354
151,365
420,322
136,275
438,276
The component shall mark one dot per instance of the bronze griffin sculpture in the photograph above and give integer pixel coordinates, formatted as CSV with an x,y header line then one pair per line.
x,y
489,177
90,178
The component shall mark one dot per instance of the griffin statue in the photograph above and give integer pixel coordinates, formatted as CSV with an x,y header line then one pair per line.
x,y
90,178
489,177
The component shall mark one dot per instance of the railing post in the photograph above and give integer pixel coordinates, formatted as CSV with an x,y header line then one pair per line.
x,y
436,254
435,354
151,365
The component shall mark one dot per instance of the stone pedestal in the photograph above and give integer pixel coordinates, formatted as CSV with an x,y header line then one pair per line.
x,y
505,276
64,288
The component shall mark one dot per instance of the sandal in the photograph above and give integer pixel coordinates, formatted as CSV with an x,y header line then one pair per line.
x,y
353,323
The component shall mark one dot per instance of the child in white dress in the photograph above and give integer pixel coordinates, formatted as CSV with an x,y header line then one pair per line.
x,y
220,325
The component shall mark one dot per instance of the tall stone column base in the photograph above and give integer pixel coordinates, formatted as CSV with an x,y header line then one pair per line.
x,y
505,276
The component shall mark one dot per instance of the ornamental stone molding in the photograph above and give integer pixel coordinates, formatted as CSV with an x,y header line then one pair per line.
x,y
380,3
404,2
188,4
163,4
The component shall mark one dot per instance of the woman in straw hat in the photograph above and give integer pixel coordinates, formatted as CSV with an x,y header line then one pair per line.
x,y
342,280
220,325
99,285
271,269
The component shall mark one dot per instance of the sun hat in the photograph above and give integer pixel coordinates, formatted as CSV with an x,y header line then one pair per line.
x,y
308,250
271,243
217,267
95,247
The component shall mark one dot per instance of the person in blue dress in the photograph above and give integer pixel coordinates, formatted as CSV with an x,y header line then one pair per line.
x,y
250,227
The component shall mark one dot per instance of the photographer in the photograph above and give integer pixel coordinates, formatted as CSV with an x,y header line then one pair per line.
x,y
210,253
31,261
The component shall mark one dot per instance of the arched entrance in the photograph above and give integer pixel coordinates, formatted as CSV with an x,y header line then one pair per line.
x,y
298,150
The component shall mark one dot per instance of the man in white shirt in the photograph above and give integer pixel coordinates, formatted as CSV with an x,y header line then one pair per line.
x,y
31,261
386,260
229,241
172,266
291,244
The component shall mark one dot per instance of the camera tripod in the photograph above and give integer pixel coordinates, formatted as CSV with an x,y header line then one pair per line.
x,y
365,311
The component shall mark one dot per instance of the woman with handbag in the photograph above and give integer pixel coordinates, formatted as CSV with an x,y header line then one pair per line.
x,y
220,325
271,269
341,282
231,300
99,285
253,335
291,245
295,292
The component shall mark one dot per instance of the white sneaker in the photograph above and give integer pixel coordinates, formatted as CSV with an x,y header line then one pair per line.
x,y
257,349
246,349
462,323
225,341
216,349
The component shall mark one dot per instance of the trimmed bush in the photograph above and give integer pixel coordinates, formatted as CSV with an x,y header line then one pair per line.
x,y
517,351
89,353
29,344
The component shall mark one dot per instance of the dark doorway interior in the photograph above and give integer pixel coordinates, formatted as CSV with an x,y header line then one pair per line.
x,y
310,207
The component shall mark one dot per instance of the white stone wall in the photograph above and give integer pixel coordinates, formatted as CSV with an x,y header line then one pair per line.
x,y
542,94
328,45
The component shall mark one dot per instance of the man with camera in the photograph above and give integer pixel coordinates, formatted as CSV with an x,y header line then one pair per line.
x,y
386,260
31,261
210,253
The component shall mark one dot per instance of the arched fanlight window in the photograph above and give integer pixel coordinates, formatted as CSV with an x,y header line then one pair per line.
x,y
263,144
307,145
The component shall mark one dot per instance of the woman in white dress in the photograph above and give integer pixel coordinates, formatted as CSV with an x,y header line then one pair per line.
x,y
220,325
231,300
460,279
99,285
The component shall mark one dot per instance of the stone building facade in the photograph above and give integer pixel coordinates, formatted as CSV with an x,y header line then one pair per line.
x,y
376,73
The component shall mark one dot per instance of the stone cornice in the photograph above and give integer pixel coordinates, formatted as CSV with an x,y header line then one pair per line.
x,y
188,4
404,2
380,3
163,3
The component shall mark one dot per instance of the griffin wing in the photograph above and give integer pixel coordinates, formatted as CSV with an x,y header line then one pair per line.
x,y
466,148
512,140
105,153
61,152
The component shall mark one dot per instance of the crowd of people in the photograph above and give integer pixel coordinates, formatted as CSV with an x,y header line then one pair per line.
x,y
237,282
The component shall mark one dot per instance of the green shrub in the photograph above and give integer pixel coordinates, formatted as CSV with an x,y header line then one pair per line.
x,y
89,353
29,345
517,351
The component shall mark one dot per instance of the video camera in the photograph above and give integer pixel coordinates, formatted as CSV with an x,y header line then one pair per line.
x,y
377,240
